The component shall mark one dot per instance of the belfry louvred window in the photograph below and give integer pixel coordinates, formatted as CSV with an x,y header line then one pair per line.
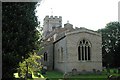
x,y
84,50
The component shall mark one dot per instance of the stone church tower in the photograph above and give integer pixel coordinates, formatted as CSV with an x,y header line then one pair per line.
x,y
51,23
67,48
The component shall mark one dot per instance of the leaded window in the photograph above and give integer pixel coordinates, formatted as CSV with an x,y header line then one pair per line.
x,y
84,50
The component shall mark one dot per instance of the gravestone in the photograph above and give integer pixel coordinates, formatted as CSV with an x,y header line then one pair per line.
x,y
74,71
94,71
44,70
66,76
119,70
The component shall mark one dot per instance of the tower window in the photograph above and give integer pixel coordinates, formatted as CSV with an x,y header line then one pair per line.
x,y
84,50
59,21
53,27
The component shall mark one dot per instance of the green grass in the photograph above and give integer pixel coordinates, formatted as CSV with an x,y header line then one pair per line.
x,y
54,75
89,77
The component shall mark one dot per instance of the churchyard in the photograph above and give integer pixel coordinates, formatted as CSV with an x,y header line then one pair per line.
x,y
53,75
106,74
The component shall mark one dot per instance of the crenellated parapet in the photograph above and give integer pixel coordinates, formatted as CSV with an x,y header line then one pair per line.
x,y
53,18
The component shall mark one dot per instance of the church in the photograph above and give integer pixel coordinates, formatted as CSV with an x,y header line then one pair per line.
x,y
67,48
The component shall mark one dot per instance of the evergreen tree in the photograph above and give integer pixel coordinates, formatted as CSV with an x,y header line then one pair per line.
x,y
111,44
19,34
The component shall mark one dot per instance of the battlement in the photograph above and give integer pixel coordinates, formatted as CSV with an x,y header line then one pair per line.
x,y
53,18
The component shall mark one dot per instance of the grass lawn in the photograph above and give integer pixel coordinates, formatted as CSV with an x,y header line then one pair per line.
x,y
89,77
54,75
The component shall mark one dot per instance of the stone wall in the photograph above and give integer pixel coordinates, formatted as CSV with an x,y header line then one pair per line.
x,y
72,51
48,48
60,64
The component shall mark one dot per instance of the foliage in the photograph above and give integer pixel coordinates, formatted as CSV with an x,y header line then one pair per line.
x,y
111,44
31,63
19,34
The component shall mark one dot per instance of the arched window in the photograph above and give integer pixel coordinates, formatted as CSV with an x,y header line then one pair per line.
x,y
61,53
84,50
45,56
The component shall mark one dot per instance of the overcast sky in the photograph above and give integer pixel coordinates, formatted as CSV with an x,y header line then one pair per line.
x,y
91,14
